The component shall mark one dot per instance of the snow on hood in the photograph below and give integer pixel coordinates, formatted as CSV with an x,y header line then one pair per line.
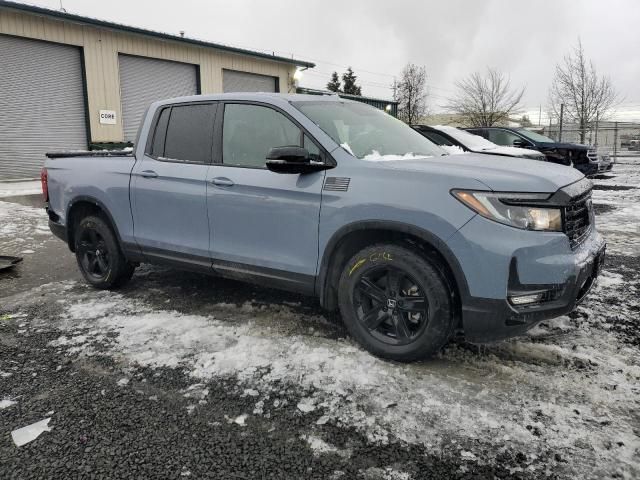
x,y
498,173
375,156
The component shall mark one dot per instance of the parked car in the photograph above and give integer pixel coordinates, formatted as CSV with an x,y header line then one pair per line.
x,y
581,157
336,199
456,141
606,162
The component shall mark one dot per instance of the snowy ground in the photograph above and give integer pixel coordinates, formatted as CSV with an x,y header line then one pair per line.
x,y
228,379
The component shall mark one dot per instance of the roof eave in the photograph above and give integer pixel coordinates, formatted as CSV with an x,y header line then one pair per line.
x,y
150,33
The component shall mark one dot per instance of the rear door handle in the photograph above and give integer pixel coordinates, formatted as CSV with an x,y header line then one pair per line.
x,y
222,182
149,174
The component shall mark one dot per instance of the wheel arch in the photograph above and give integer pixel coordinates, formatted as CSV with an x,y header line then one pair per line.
x,y
351,238
83,206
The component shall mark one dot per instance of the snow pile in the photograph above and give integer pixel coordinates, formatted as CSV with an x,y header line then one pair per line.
x,y
496,396
22,228
11,189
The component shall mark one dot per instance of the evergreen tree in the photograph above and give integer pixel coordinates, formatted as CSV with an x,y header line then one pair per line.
x,y
349,80
334,83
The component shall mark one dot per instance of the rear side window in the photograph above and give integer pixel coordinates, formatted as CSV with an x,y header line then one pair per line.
x,y
189,133
157,147
250,131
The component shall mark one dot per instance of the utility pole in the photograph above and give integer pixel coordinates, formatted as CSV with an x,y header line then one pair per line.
x,y
561,120
615,140
540,116
597,123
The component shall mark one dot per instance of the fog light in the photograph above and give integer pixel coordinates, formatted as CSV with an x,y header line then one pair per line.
x,y
526,299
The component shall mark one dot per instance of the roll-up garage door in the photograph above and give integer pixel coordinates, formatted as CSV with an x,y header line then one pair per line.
x,y
145,80
234,81
42,104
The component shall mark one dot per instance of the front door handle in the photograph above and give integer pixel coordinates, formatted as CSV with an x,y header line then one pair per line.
x,y
149,174
222,182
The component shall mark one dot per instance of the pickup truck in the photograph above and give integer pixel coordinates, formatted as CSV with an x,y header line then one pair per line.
x,y
334,198
457,141
581,157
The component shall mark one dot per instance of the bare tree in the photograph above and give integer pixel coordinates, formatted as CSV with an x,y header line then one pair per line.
x,y
484,101
411,93
586,95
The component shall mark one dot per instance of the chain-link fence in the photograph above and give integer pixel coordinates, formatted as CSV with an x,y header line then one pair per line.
x,y
619,139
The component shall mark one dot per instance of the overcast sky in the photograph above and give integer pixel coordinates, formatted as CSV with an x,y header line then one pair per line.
x,y
451,38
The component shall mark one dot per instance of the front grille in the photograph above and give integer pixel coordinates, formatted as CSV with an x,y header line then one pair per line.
x,y
578,215
592,155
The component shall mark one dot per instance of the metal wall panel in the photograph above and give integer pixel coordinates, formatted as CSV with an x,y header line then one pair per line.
x,y
235,81
42,104
145,80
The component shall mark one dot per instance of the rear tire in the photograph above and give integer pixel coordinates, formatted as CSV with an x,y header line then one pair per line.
x,y
99,256
396,303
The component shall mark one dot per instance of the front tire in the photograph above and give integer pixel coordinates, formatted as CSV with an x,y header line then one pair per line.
x,y
396,303
99,256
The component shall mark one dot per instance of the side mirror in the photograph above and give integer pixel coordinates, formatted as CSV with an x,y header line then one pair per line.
x,y
519,143
294,160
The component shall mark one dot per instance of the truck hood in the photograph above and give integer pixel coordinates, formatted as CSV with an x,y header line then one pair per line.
x,y
496,172
563,146
509,151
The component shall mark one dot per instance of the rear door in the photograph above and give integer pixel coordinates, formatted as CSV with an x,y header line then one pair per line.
x,y
262,223
169,189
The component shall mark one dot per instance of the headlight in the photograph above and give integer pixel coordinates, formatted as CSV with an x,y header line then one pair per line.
x,y
514,209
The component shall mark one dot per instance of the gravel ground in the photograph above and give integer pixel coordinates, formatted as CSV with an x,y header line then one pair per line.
x,y
186,376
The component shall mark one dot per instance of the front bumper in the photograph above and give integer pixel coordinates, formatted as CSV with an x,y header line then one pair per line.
x,y
487,319
499,263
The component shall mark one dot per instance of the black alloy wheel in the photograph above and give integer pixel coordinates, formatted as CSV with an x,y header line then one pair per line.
x,y
99,255
396,301
94,255
391,304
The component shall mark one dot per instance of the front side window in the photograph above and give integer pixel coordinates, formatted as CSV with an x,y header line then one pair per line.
x,y
536,137
503,137
190,133
366,132
312,148
250,131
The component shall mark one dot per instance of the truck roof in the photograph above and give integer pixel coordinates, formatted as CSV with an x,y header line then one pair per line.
x,y
254,96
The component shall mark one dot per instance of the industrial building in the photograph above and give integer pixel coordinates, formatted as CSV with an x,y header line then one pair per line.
x,y
73,82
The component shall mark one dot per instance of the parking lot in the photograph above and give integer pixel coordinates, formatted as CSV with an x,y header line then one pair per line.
x,y
184,375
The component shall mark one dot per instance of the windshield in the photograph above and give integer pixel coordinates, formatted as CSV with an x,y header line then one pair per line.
x,y
536,137
366,132
469,140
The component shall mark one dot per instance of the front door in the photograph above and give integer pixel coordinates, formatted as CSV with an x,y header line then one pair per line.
x,y
263,223
169,189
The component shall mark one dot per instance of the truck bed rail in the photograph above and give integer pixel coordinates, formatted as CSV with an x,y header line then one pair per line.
x,y
91,153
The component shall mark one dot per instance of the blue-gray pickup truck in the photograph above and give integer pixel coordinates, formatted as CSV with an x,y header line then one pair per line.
x,y
334,198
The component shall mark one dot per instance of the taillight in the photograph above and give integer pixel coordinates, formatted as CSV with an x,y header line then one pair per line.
x,y
44,179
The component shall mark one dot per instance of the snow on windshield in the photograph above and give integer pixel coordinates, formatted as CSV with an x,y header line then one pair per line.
x,y
362,130
471,141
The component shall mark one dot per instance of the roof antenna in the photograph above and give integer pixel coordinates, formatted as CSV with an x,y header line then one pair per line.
x,y
62,9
